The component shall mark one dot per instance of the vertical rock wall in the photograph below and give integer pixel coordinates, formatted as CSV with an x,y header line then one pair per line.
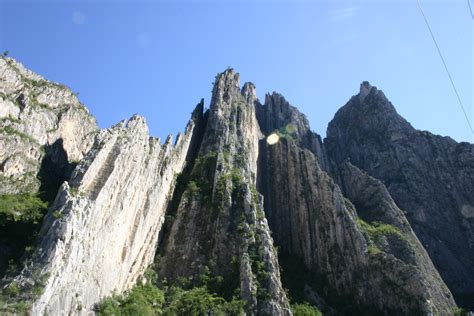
x,y
430,177
354,267
102,231
220,225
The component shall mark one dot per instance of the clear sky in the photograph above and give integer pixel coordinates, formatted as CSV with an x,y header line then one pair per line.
x,y
159,58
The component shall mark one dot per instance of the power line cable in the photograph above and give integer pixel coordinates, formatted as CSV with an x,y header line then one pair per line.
x,y
445,66
470,9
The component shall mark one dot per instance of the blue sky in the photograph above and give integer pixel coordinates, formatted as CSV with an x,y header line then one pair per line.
x,y
159,58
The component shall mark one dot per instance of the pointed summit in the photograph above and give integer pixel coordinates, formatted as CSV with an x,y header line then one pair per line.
x,y
227,84
365,88
249,92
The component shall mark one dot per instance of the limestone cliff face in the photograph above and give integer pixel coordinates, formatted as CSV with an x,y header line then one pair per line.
x,y
40,121
278,115
102,231
354,266
219,225
44,132
430,177
356,235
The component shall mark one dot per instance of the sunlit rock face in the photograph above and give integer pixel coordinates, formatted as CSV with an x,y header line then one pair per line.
x,y
219,222
102,231
44,132
431,178
248,194
38,119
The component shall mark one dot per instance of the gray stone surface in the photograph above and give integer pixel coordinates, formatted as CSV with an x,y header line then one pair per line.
x,y
34,114
430,177
220,225
102,231
362,216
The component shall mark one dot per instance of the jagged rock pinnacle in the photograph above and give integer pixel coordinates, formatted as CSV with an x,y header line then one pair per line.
x,y
365,88
249,92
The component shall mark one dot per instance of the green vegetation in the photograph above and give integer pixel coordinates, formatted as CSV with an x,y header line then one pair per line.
x,y
26,207
460,312
74,191
20,217
149,299
10,119
8,130
305,309
193,187
200,180
12,290
374,232
58,214
287,132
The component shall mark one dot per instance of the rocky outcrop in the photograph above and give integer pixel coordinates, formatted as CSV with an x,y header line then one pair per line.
x,y
102,230
346,215
430,177
354,266
279,116
44,132
393,235
38,118
219,225
379,267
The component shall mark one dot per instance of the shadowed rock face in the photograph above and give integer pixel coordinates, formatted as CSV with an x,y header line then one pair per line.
x,y
279,115
348,232
430,177
354,267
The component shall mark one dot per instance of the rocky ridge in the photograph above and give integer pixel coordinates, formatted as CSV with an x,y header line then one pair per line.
x,y
431,178
356,266
248,198
102,230
44,132
220,226
38,118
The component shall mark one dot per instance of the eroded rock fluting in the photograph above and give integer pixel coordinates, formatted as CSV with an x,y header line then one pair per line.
x,y
219,225
248,199
430,177
376,266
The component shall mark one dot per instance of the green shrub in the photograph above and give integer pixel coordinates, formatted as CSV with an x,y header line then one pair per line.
x,y
12,290
198,301
21,308
304,309
193,187
141,300
25,207
109,306
174,300
375,231
9,130
460,312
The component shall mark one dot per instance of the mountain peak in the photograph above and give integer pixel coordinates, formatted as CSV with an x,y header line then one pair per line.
x,y
249,92
365,88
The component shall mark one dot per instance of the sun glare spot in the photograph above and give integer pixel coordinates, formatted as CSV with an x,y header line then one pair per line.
x,y
273,139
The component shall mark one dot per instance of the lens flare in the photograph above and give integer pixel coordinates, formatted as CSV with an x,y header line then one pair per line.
x,y
290,128
273,139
